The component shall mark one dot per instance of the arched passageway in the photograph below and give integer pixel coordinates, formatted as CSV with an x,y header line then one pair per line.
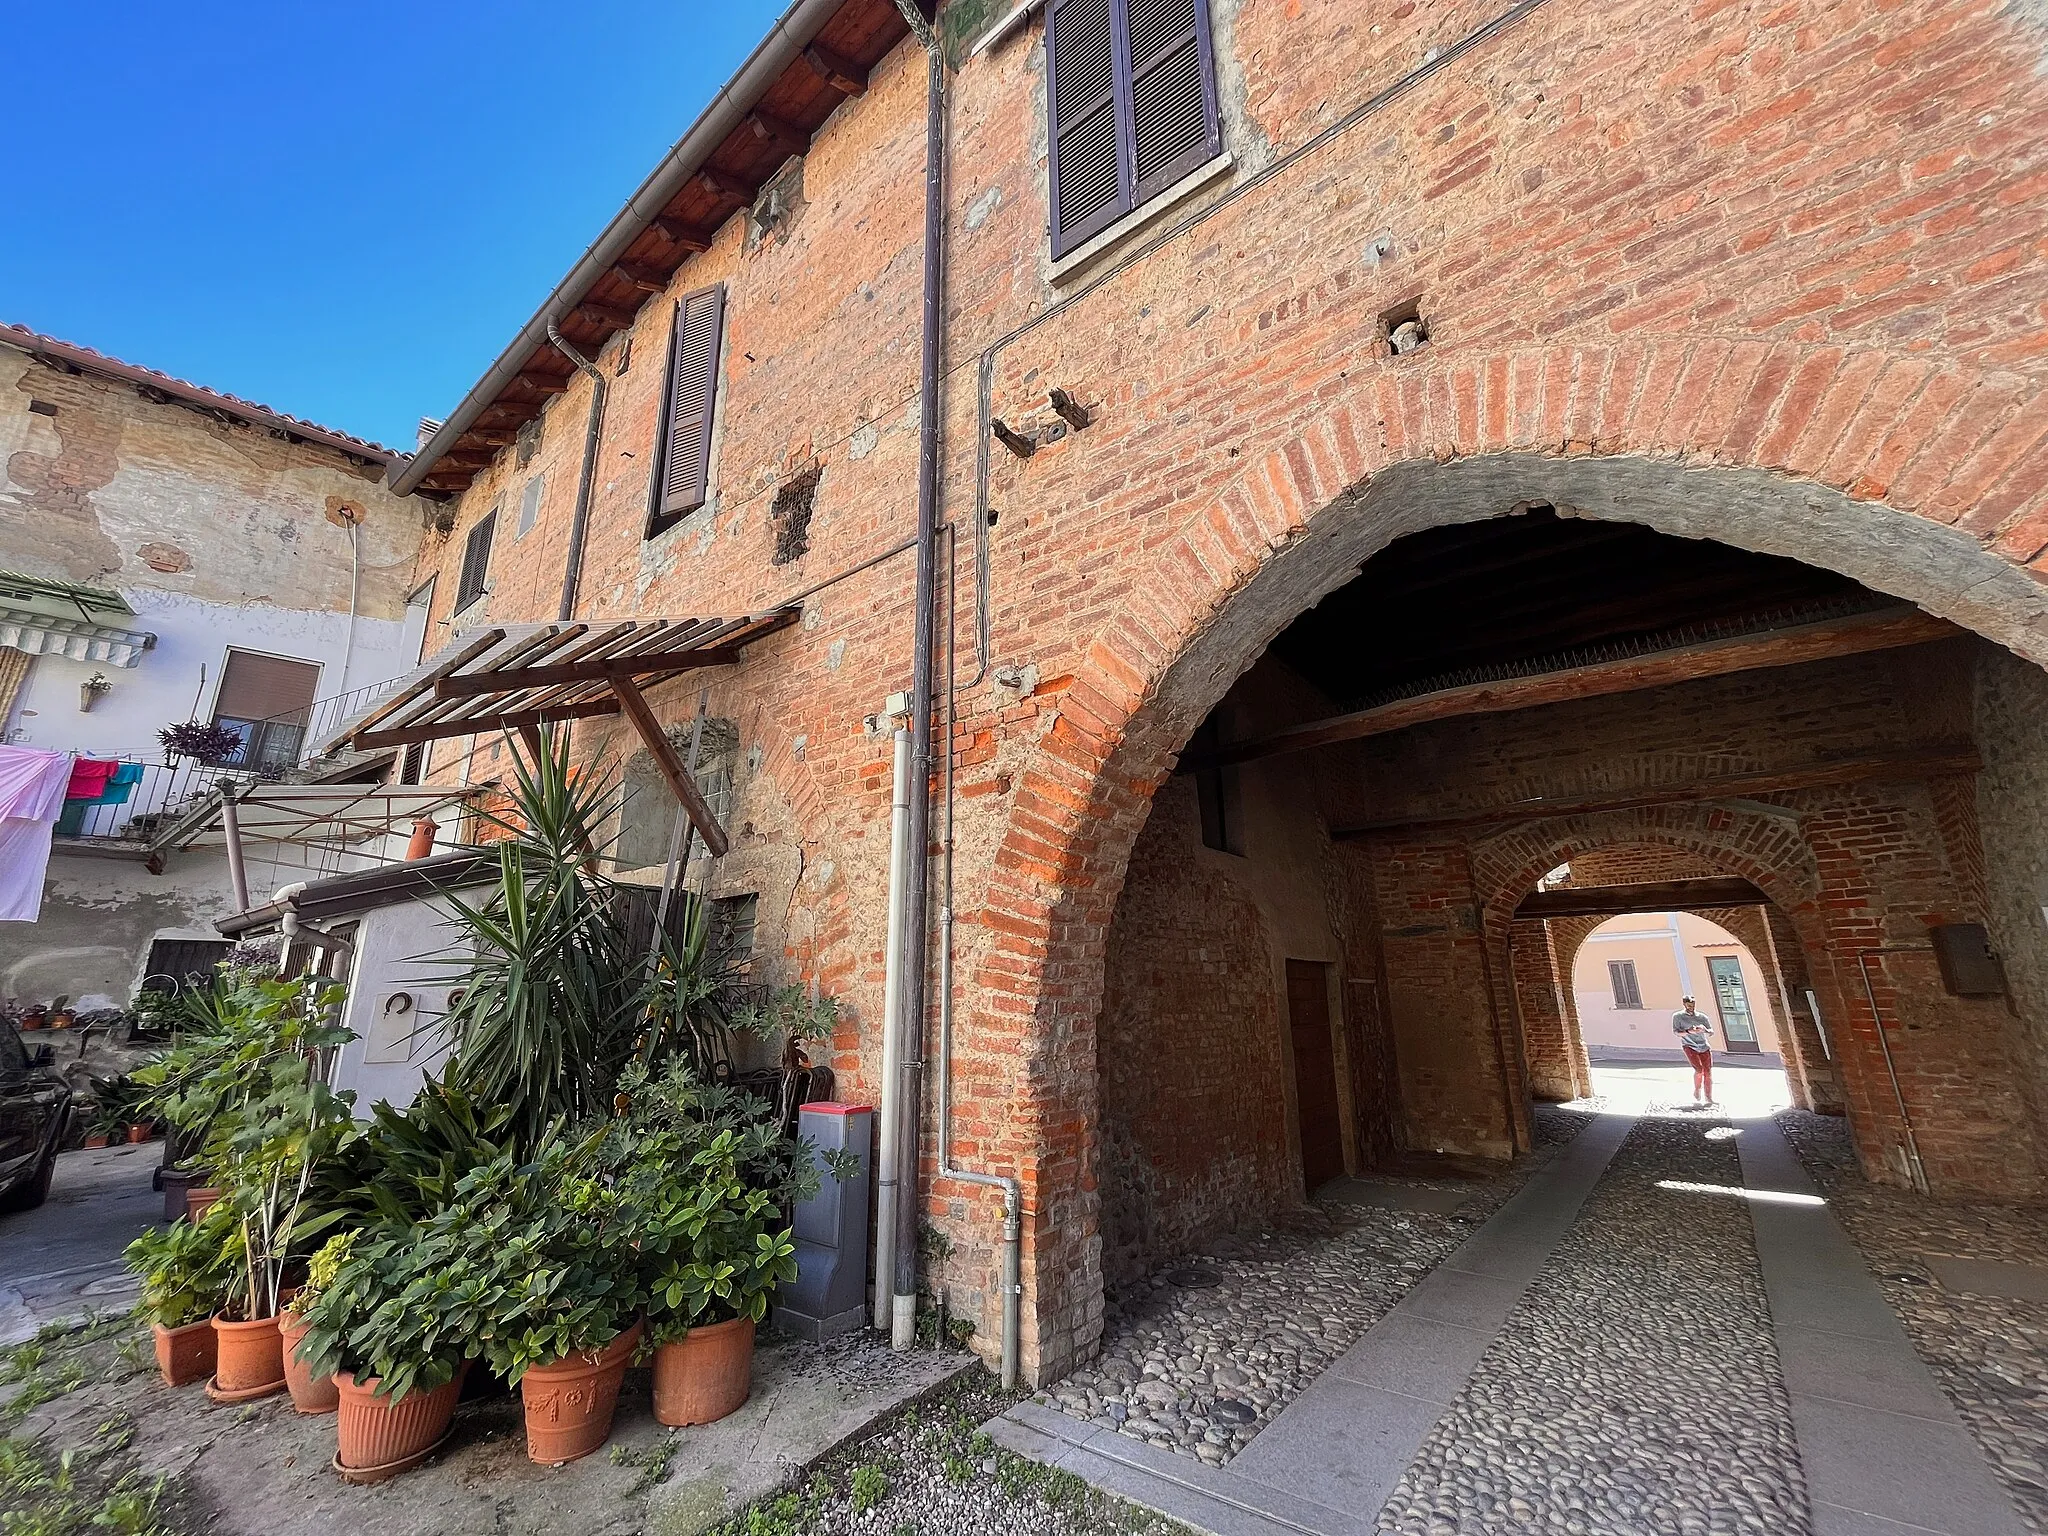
x,y
1543,671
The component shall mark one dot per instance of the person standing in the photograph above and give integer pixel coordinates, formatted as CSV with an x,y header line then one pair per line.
x,y
1696,1035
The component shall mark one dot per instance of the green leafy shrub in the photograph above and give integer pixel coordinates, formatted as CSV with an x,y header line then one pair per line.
x,y
185,1269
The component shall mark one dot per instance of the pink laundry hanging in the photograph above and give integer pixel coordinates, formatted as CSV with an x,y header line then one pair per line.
x,y
32,786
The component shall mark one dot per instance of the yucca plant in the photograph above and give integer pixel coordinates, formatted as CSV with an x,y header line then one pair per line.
x,y
561,995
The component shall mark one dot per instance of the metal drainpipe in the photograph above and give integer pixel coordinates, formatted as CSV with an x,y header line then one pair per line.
x,y
1915,1169
1013,1191
591,432
916,935
887,1154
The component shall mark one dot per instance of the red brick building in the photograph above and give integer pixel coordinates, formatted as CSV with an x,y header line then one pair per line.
x,y
1379,358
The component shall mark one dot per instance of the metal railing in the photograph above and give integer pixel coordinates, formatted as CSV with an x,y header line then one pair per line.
x,y
157,796
311,728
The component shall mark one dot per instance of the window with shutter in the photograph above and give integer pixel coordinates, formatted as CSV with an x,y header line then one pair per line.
x,y
1131,99
682,460
1621,976
268,699
476,561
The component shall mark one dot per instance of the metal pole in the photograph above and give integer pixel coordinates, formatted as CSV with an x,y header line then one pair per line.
x,y
892,1036
238,876
903,1306
1915,1169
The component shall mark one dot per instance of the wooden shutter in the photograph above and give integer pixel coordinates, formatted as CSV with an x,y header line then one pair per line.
x,y
254,687
1132,106
476,561
1086,70
682,470
1621,975
1174,123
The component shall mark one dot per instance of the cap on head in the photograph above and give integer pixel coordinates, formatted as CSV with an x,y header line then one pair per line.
x,y
1687,1001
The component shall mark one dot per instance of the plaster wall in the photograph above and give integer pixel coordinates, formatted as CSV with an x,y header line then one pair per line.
x,y
405,959
1659,944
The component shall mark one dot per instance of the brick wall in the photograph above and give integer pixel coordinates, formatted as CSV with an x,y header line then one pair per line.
x,y
1752,274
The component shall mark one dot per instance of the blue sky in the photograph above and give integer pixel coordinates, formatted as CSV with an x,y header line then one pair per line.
x,y
341,210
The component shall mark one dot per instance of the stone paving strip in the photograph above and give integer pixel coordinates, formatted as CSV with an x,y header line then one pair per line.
x,y
1329,1461
1203,1354
1882,1448
1636,1386
1966,1281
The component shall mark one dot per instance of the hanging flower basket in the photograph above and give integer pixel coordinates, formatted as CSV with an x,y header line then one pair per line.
x,y
212,745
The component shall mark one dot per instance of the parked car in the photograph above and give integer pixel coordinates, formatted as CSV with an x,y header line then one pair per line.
x,y
35,1107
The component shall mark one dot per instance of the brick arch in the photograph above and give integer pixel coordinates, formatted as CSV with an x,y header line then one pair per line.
x,y
1866,463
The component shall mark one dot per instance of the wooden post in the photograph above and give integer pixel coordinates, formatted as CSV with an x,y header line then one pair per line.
x,y
664,754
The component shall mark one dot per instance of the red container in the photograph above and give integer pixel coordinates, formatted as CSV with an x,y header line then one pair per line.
x,y
251,1356
706,1374
569,1404
185,1355
378,1438
310,1393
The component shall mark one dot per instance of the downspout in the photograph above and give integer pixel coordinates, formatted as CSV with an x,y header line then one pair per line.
x,y
355,592
888,1155
591,432
917,887
1013,1190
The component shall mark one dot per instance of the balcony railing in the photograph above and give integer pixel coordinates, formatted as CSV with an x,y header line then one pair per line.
x,y
162,792
298,737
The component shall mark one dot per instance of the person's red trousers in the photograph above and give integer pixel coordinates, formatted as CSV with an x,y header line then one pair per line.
x,y
1702,1073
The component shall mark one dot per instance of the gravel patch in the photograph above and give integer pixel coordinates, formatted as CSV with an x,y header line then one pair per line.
x,y
1206,1351
1989,1353
930,1471
1636,1387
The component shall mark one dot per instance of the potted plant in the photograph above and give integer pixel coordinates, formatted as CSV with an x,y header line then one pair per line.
x,y
712,1179
312,1393
211,745
392,1327
547,1246
250,1080
184,1269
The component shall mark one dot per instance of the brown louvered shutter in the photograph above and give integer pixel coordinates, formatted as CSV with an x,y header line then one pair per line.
x,y
1084,78
682,471
254,687
1174,123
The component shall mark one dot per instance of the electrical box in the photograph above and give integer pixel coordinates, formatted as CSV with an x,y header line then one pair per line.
x,y
829,1296
1969,965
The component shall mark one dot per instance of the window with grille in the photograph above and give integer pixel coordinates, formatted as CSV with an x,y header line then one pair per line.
x,y
476,561
1131,100
1621,975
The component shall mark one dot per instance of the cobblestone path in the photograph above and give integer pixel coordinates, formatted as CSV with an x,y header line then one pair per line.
x,y
1636,1386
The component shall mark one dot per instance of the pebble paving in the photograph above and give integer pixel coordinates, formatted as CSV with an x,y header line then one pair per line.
x,y
1205,1352
1989,1353
1636,1386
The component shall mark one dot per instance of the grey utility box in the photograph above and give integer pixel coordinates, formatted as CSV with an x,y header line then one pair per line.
x,y
829,1296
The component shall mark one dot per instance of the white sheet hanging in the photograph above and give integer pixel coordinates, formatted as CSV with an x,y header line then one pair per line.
x,y
32,785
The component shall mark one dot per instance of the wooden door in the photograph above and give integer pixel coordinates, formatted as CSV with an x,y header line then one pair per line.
x,y
1315,1072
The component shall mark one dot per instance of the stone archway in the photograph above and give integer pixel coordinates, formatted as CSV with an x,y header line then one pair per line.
x,y
1431,446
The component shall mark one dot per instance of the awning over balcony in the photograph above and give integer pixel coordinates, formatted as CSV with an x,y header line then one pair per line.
x,y
60,618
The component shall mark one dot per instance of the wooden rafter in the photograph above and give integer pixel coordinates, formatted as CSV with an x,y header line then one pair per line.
x,y
1709,894
646,279
1722,786
837,70
1886,629
724,185
588,672
655,739
678,233
784,135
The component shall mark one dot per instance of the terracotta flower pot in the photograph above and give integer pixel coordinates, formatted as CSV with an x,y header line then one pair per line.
x,y
310,1393
63,1018
185,1355
251,1357
378,1438
569,1403
34,1021
137,1135
95,1141
706,1374
199,1201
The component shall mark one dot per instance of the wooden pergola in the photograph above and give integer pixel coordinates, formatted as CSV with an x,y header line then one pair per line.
x,y
518,677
